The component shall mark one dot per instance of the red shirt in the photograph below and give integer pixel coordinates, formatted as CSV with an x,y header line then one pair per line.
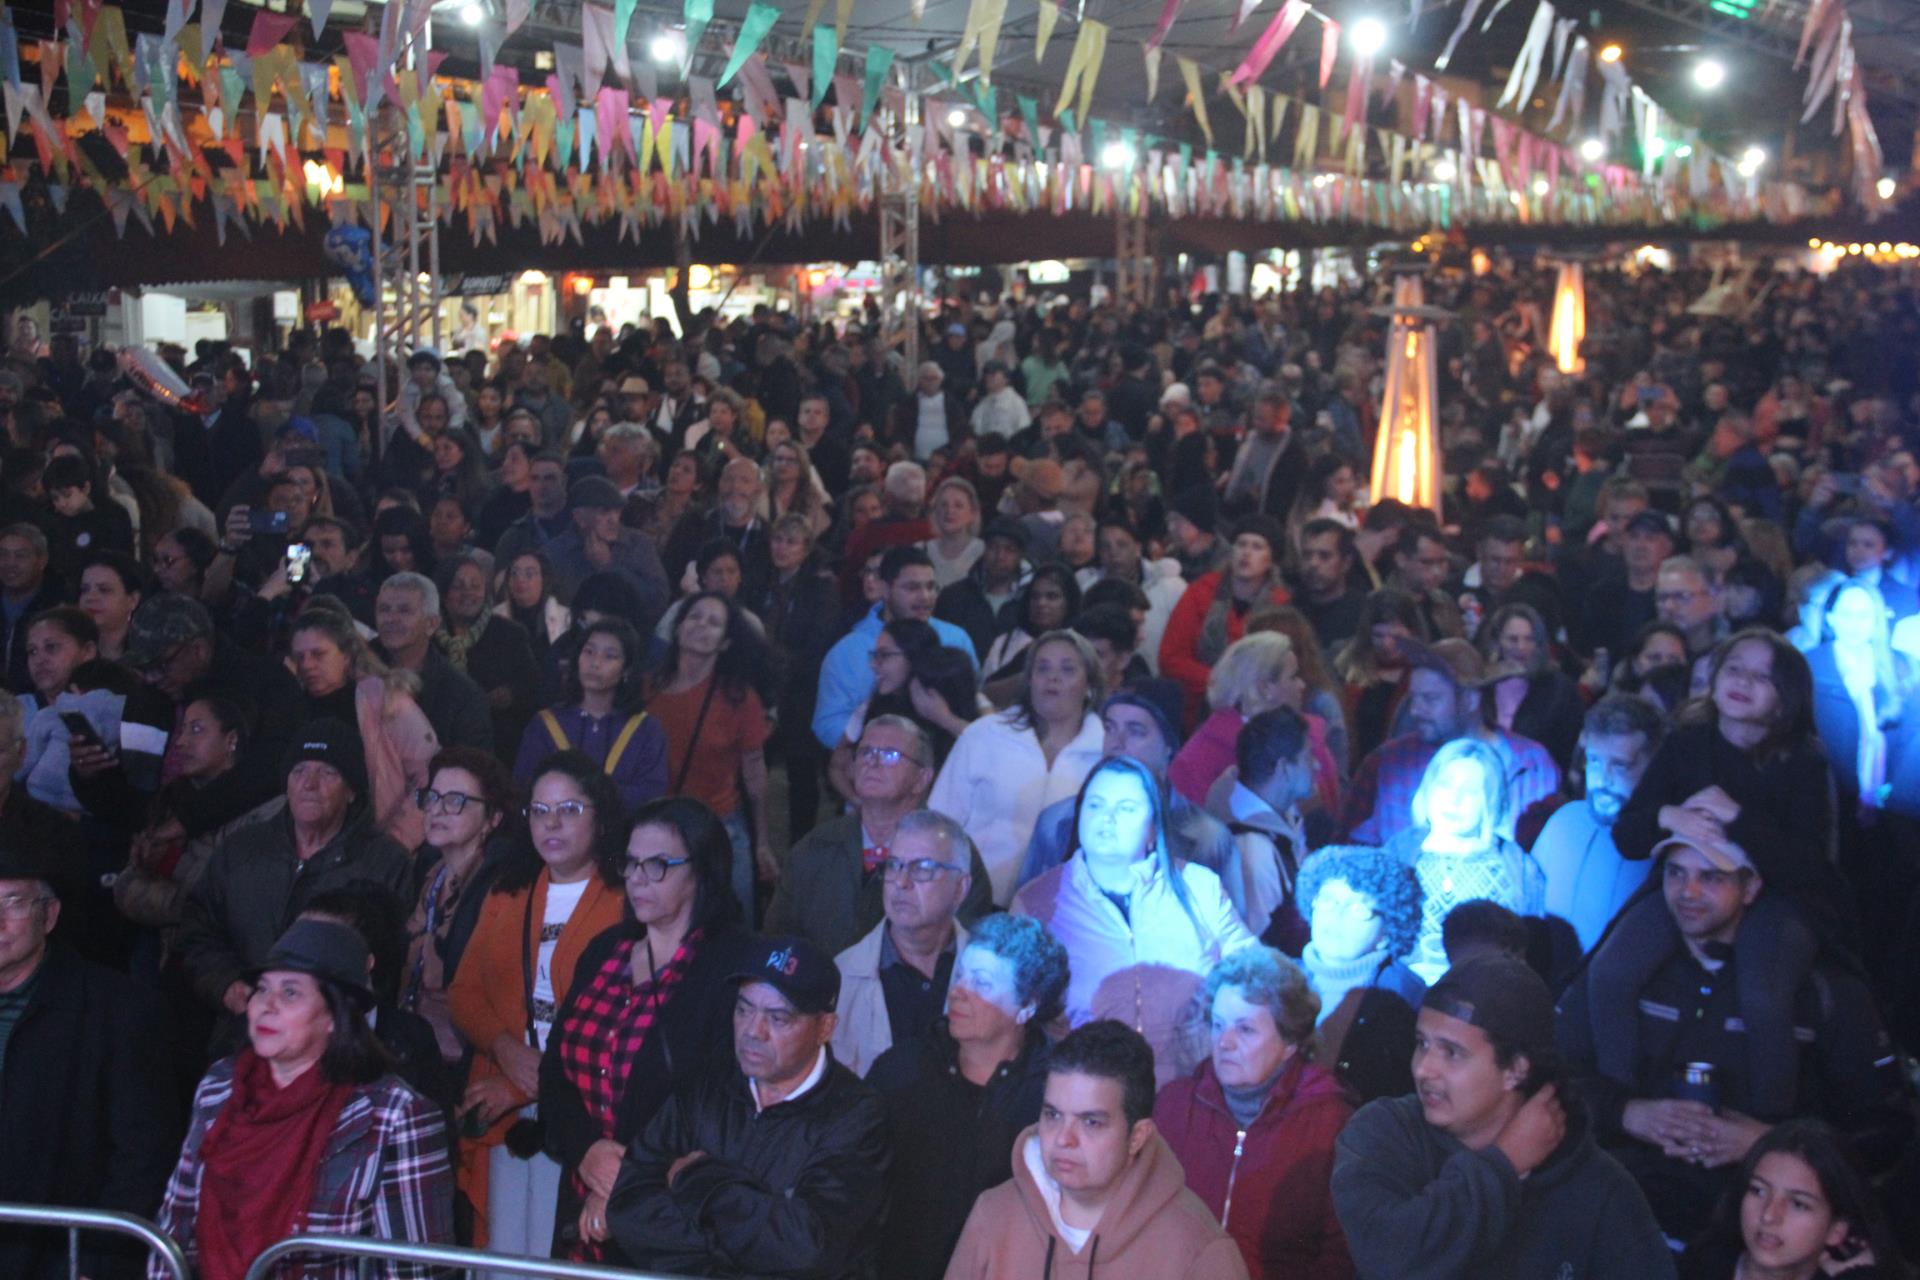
x,y
732,730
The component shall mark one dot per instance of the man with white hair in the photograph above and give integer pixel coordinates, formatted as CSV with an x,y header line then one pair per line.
x,y
407,614
628,452
932,417
893,982
733,518
903,491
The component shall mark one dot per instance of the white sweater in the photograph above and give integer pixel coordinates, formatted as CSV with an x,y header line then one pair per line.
x,y
996,782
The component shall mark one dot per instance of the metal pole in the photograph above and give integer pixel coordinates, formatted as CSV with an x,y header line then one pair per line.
x,y
74,1220
369,1252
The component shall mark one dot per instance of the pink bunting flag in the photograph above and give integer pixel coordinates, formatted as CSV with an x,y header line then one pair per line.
x,y
1422,98
611,107
363,53
1168,11
1358,76
269,29
1329,46
1261,56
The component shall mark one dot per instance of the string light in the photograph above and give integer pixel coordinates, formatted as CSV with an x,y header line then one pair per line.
x,y
1709,74
1611,53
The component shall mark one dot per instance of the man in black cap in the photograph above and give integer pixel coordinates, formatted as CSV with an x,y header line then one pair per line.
x,y
1622,603
1685,1152
776,1169
89,1115
265,874
1488,1170
598,541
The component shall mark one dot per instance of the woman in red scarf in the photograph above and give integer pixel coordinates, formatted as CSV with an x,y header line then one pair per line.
x,y
306,1130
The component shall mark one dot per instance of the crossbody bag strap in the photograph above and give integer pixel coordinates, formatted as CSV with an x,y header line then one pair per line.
x,y
528,941
700,722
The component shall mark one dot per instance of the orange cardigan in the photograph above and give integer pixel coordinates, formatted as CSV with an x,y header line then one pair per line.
x,y
487,995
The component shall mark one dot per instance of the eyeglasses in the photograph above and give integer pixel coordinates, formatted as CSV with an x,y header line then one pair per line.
x,y
920,870
445,801
883,756
15,907
652,870
568,809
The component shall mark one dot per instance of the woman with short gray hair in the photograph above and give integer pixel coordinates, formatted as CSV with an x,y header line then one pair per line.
x,y
1254,1127
958,1098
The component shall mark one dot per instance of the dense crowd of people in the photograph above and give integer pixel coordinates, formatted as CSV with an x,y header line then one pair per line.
x,y
726,803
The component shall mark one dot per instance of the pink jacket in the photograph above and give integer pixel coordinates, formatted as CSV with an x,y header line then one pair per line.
x,y
399,743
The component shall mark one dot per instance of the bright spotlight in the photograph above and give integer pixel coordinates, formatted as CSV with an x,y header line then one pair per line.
x,y
1611,53
956,117
668,47
1443,171
1709,74
1592,150
1369,36
472,14
1540,186
1116,155
1886,187
1751,161
1682,151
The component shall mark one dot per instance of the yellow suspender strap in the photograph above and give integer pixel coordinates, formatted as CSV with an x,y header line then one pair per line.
x,y
554,730
620,743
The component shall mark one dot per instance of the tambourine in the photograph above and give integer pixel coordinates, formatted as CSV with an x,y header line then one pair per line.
x,y
147,371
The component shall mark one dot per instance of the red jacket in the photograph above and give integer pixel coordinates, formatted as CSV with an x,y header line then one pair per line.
x,y
1278,1172
1180,642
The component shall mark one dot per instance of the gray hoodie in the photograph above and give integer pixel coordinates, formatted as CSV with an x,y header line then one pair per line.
x,y
1417,1204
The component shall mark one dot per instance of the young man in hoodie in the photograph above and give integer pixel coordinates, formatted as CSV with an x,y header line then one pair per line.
x,y
1096,1191
1488,1170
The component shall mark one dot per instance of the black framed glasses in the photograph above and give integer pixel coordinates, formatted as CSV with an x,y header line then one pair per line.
x,y
652,870
919,870
430,800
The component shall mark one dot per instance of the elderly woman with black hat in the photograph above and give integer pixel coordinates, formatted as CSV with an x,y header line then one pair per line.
x,y
305,1129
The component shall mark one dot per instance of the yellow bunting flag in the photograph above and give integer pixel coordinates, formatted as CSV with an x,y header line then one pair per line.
x,y
981,30
1083,69
1196,98
1049,13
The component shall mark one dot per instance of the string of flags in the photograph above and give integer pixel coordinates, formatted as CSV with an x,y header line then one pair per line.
x,y
264,132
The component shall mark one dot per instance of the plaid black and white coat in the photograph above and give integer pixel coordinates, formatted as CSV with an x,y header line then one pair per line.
x,y
386,1174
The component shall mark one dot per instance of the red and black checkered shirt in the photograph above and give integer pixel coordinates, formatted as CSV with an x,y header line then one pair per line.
x,y
603,1028
599,1037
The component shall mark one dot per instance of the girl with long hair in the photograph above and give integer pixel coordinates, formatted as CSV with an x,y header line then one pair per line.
x,y
1125,909
710,695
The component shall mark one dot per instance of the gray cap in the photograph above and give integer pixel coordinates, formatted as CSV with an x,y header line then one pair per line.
x,y
595,493
162,624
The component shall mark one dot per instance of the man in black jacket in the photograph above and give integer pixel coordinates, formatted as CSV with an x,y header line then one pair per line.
x,y
89,1115
777,1168
1685,1152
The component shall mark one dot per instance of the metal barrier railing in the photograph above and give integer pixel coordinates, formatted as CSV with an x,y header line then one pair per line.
x,y
73,1221
474,1261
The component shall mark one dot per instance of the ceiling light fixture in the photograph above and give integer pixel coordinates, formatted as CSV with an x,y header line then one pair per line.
x,y
1709,74
1369,36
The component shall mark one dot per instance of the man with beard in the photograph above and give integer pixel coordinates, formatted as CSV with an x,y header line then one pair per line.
x,y
732,520
1444,692
1587,879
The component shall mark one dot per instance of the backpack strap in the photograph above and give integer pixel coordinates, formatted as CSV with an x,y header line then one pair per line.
x,y
620,743
554,731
